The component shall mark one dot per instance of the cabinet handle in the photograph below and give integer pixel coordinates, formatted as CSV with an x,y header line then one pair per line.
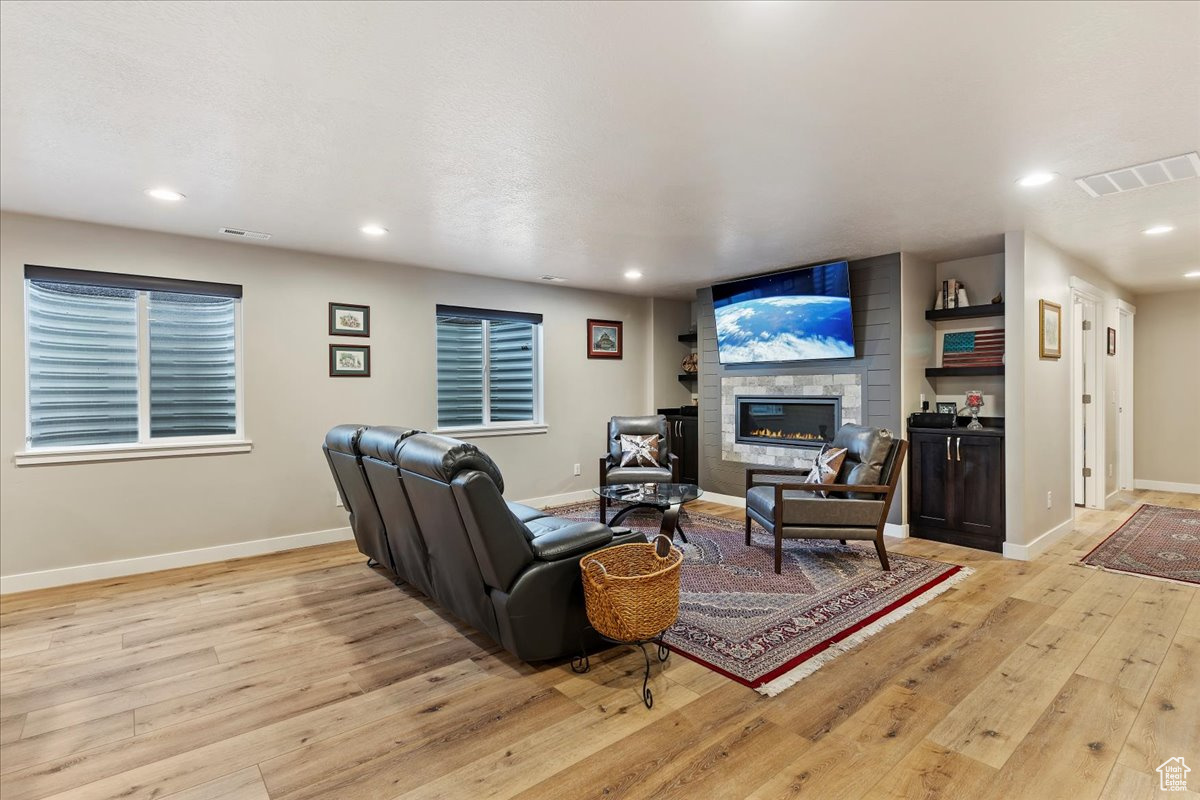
x,y
948,449
958,446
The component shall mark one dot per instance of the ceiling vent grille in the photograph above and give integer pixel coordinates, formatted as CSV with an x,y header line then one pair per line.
x,y
552,279
1129,179
238,233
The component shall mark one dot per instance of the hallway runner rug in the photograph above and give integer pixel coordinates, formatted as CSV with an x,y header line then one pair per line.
x,y
1157,541
768,631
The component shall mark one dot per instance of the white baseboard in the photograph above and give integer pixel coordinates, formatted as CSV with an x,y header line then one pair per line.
x,y
1028,552
559,499
27,581
724,499
1167,486
895,531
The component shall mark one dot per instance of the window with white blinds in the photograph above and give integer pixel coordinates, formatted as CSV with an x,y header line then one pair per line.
x,y
124,360
488,366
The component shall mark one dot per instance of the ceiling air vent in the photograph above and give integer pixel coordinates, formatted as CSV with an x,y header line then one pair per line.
x,y
1128,179
552,279
238,233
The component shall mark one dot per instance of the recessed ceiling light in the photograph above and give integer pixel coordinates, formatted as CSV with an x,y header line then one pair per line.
x,y
1036,179
160,193
633,274
1195,274
373,230
1158,230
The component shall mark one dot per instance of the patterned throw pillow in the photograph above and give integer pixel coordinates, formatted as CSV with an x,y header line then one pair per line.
x,y
825,470
639,451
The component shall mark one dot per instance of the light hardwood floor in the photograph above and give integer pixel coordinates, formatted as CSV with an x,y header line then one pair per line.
x,y
305,674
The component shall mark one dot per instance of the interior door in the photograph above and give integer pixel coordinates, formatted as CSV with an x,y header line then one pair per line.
x,y
930,498
1078,418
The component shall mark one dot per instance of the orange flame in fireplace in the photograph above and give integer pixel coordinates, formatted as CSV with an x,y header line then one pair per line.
x,y
767,433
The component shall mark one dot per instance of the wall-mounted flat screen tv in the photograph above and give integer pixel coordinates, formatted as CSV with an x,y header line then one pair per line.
x,y
796,315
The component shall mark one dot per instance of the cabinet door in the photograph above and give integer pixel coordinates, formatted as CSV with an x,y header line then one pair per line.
x,y
930,479
978,506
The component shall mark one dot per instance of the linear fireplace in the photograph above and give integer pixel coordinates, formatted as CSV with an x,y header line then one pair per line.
x,y
790,421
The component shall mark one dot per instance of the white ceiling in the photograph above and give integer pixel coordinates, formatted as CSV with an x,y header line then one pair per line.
x,y
693,141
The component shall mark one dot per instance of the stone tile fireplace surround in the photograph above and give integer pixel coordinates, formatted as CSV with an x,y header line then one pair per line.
x,y
847,386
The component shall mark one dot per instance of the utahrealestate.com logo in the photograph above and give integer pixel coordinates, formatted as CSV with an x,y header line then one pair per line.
x,y
1172,775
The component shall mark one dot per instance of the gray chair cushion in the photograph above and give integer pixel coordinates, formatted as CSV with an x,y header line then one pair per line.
x,y
867,450
639,475
801,508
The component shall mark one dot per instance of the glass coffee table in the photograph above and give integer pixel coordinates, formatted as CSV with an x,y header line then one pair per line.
x,y
667,498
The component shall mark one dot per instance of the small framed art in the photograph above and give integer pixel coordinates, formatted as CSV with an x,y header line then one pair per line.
x,y
1050,328
605,338
346,319
1112,341
947,408
349,360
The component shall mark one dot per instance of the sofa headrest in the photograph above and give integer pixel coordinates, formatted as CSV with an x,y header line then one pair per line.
x,y
343,438
383,442
442,458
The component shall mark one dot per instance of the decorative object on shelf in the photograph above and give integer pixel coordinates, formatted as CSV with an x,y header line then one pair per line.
x,y
1050,329
947,408
1112,341
952,295
999,298
690,364
346,319
349,361
974,403
605,339
983,348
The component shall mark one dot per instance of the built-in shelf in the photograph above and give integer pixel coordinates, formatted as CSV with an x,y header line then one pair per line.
x,y
688,338
688,376
966,312
962,372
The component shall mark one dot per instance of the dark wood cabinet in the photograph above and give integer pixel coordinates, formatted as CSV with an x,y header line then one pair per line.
x,y
956,486
685,443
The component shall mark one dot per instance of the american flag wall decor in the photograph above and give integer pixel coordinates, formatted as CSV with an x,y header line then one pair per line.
x,y
973,348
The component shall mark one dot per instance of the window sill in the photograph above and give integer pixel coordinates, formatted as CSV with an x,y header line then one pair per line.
x,y
128,452
523,429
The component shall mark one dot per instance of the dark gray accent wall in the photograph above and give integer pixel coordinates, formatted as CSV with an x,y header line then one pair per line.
x,y
875,299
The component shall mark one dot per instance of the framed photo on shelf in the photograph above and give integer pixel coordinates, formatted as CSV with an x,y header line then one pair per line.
x,y
346,319
349,360
605,338
1050,329
1112,341
947,408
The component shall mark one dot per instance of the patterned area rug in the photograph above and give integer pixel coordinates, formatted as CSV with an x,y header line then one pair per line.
x,y
768,631
1157,541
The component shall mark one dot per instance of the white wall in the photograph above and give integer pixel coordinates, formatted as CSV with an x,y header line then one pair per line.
x,y
669,319
57,516
1037,391
1166,403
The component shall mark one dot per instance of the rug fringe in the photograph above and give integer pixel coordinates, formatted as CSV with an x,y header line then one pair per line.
x,y
792,677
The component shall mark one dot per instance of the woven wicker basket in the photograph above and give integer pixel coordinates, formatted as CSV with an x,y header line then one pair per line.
x,y
632,593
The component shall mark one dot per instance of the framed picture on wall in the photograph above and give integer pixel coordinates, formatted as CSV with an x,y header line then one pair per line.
x,y
346,319
1050,328
1112,341
947,408
349,360
605,338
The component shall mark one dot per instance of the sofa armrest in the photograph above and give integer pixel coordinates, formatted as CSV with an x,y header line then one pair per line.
x,y
571,540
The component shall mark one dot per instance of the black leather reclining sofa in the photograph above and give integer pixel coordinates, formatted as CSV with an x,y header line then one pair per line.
x,y
430,510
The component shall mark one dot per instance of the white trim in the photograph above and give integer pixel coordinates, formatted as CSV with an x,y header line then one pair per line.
x,y
1167,486
1125,355
27,581
1094,415
129,452
1028,552
791,678
475,432
560,499
724,499
895,531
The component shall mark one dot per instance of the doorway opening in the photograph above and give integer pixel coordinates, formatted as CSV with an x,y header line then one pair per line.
x,y
1087,394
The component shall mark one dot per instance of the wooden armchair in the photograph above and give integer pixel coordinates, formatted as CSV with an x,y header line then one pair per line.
x,y
787,508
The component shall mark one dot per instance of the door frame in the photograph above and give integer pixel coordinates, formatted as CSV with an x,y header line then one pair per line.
x,y
1090,352
1125,315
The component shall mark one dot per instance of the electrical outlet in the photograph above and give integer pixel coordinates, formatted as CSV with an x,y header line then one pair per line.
x,y
337,500
577,470
1049,502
